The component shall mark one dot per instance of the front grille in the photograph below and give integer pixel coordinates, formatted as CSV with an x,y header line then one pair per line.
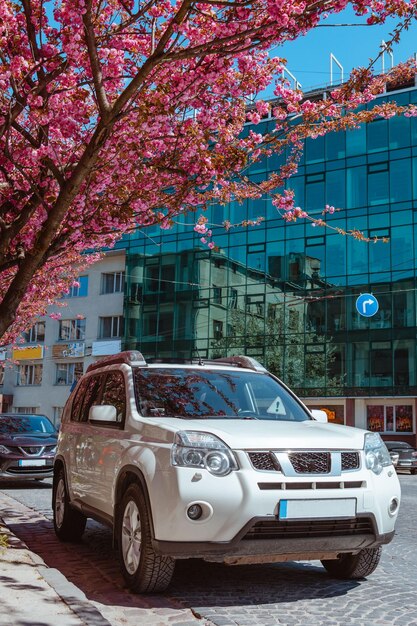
x,y
352,484
264,461
32,450
275,529
30,470
350,461
304,462
310,462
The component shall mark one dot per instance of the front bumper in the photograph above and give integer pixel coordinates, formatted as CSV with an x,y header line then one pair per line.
x,y
240,511
266,540
407,464
37,468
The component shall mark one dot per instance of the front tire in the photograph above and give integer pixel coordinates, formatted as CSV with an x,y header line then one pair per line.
x,y
69,524
354,566
143,569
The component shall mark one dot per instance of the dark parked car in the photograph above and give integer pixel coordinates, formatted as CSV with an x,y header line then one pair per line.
x,y
27,446
407,455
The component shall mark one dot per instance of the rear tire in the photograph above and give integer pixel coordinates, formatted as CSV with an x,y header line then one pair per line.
x,y
143,569
354,566
69,524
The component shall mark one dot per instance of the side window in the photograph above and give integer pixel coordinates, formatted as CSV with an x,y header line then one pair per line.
x,y
91,396
77,402
115,394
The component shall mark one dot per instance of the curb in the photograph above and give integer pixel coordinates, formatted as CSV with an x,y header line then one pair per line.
x,y
66,591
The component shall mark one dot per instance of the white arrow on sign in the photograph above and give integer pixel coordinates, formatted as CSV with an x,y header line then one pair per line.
x,y
364,303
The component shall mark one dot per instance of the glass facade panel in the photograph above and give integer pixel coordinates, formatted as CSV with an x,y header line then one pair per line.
x,y
400,180
356,141
399,132
286,293
377,135
356,187
335,146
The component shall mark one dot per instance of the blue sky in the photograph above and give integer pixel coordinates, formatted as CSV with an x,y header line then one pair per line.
x,y
309,57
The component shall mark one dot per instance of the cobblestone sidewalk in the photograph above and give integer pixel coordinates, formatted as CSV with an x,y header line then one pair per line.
x,y
33,593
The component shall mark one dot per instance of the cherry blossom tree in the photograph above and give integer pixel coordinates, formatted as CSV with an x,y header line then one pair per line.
x,y
117,114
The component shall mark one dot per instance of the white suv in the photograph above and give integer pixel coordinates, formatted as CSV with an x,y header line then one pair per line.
x,y
217,460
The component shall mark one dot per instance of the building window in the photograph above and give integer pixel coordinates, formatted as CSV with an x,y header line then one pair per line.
x,y
1,375
217,329
233,298
67,373
70,330
57,414
112,282
112,326
217,295
35,334
335,412
25,410
390,418
29,375
79,289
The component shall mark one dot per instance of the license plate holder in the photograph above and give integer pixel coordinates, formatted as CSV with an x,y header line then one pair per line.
x,y
316,509
32,462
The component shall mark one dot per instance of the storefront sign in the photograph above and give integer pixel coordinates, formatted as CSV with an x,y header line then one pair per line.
x,y
27,353
68,350
101,348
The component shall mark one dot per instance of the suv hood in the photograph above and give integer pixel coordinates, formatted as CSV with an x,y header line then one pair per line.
x,y
45,439
273,435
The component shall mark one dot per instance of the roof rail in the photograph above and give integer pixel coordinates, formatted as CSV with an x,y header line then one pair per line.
x,y
242,361
131,357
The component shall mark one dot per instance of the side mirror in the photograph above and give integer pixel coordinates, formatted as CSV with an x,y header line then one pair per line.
x,y
319,415
103,413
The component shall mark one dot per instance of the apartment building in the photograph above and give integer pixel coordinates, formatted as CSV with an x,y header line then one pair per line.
x,y
38,372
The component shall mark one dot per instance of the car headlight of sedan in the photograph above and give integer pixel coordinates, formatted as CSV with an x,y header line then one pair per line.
x,y
376,454
4,450
203,451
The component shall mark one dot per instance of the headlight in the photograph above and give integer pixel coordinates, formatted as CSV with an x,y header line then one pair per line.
x,y
202,450
4,450
376,453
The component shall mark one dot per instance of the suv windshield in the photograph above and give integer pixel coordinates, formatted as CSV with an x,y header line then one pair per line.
x,y
28,424
191,394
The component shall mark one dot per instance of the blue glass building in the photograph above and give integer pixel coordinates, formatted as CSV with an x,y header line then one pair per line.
x,y
286,293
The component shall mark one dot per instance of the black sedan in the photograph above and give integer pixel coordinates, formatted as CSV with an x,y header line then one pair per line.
x,y
407,455
27,446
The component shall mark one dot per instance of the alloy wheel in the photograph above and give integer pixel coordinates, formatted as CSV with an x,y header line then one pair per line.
x,y
131,537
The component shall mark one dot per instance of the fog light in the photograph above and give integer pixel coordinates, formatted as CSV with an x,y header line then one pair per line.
x,y
393,506
194,512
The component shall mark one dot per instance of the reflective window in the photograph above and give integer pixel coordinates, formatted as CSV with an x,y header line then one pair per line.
x,y
377,135
335,146
378,183
356,187
72,329
195,394
114,394
36,333
79,289
399,132
400,180
112,282
356,141
29,374
68,373
387,418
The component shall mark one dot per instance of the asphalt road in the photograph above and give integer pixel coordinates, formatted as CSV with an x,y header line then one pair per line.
x,y
287,594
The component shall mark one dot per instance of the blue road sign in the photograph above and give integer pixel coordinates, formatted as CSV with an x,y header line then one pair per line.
x,y
367,305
